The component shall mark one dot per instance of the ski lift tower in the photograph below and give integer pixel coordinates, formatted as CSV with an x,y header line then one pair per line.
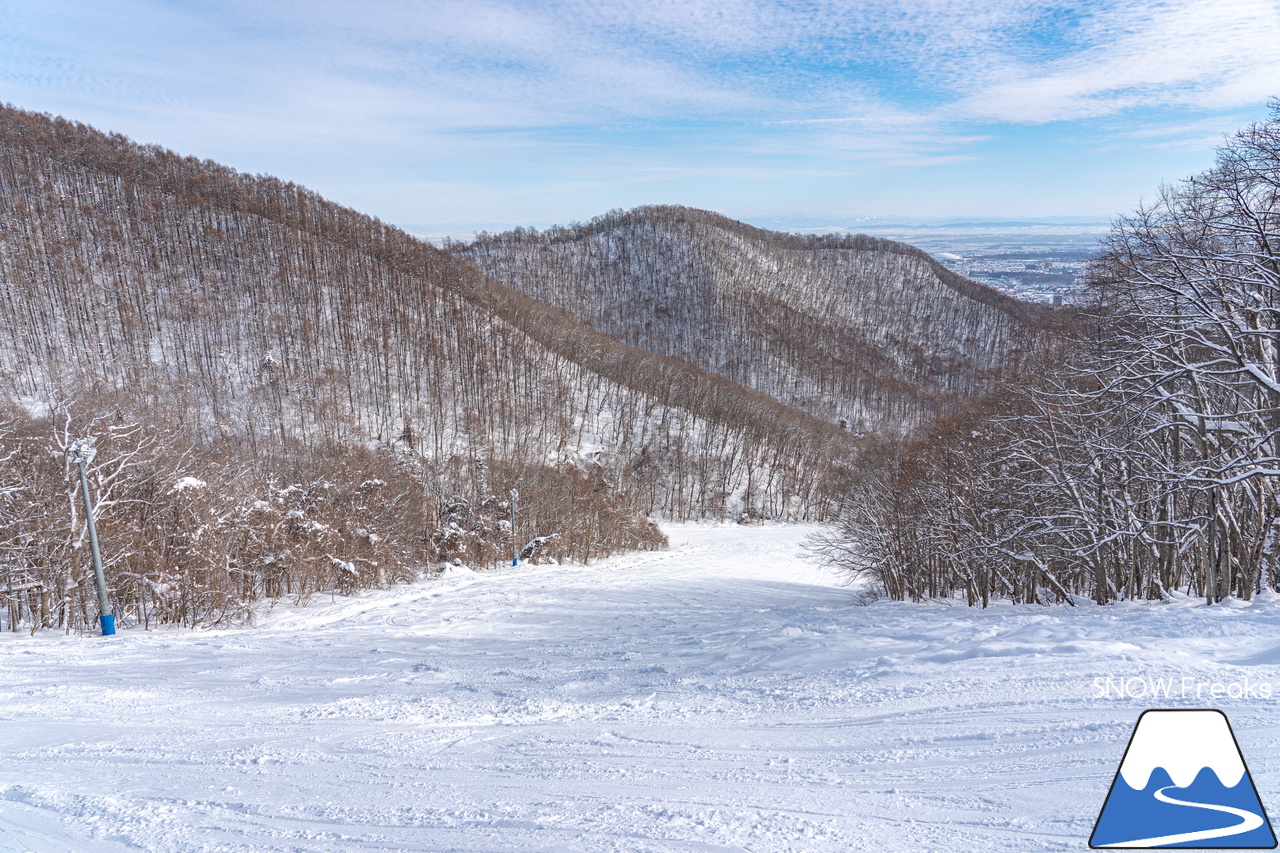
x,y
515,555
82,452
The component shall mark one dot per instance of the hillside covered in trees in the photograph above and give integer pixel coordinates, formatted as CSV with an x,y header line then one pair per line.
x,y
1141,460
870,332
291,397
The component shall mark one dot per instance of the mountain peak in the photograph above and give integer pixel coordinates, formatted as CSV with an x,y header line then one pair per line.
x,y
854,329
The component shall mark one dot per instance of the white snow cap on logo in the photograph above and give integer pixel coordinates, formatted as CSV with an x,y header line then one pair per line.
x,y
1183,743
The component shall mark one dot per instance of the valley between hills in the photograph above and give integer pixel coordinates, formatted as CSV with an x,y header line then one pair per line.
x,y
357,404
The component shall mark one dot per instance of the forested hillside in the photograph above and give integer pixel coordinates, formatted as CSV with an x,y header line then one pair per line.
x,y
869,332
353,401
1143,461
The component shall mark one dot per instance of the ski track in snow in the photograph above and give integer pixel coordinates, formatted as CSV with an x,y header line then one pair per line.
x,y
721,696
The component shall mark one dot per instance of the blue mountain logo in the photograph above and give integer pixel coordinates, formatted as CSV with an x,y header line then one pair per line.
x,y
1183,783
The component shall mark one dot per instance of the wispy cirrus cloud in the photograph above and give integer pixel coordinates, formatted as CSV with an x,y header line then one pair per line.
x,y
357,99
1217,55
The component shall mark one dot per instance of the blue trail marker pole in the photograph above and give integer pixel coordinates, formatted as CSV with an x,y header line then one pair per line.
x,y
515,555
82,452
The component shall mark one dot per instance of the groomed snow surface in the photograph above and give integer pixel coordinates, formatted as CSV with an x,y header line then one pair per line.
x,y
721,696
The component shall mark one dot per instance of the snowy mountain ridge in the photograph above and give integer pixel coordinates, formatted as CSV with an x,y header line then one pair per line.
x,y
873,333
249,307
381,397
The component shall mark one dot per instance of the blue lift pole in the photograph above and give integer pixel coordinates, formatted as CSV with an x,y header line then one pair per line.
x,y
515,555
82,452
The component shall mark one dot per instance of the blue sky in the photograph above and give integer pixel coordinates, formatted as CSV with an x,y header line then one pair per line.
x,y
498,113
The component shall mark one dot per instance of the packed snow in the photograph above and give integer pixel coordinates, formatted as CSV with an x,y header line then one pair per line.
x,y
725,695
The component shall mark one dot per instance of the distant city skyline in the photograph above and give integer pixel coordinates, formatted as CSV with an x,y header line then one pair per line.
x,y
492,114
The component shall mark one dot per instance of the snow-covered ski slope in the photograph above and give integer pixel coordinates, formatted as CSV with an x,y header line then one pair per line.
x,y
721,696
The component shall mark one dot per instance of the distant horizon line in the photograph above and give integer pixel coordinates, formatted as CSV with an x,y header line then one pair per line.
x,y
852,224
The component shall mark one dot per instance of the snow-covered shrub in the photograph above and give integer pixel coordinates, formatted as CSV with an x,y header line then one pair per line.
x,y
285,521
180,553
562,514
